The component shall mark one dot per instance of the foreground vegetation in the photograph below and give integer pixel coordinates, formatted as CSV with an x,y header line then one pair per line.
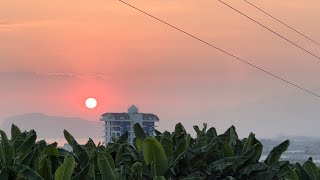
x,y
168,155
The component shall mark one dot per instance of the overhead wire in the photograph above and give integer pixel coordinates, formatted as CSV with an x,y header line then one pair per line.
x,y
267,28
283,23
225,51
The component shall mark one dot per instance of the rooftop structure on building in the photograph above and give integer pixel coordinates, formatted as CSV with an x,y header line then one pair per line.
x,y
118,123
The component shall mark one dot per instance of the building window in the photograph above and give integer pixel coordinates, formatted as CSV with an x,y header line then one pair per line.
x,y
148,123
113,134
115,128
118,134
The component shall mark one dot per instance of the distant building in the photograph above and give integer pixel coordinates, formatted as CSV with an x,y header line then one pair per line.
x,y
118,123
67,147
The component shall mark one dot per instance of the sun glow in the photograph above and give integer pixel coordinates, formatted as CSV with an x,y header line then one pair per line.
x,y
91,103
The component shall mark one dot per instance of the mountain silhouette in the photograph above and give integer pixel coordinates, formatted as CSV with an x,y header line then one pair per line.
x,y
53,126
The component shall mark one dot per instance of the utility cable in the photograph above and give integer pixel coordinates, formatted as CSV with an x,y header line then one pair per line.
x,y
255,21
226,52
283,23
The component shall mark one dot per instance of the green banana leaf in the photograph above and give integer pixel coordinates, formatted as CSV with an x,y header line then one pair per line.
x,y
64,172
27,172
80,152
154,154
276,153
106,166
6,150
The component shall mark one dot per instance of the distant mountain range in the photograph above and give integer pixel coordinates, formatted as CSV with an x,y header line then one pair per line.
x,y
53,126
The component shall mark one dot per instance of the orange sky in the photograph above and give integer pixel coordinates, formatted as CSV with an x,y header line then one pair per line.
x,y
147,63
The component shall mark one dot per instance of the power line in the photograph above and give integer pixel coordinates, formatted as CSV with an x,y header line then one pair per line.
x,y
225,52
285,24
255,21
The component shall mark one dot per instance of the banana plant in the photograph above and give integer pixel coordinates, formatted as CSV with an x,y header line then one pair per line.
x,y
65,171
168,155
17,155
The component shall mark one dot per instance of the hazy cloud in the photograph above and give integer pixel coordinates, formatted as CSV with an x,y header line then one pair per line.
x,y
33,81
7,25
58,75
77,76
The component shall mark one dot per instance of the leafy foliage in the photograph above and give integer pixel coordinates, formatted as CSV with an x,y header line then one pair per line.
x,y
168,155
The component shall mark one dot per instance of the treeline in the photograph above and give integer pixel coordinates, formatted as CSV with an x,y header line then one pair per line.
x,y
168,155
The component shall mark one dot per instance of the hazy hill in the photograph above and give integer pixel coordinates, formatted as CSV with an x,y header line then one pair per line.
x,y
53,126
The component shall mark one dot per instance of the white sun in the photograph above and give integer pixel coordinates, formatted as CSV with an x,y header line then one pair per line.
x,y
91,103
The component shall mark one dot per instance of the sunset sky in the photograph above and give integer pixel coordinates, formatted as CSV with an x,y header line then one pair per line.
x,y
55,54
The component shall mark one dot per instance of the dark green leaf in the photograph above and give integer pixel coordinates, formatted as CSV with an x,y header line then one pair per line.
x,y
252,169
4,174
167,145
231,136
27,172
106,166
81,153
6,150
15,132
83,174
28,143
136,169
159,178
311,169
154,153
276,153
140,135
45,168
64,172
